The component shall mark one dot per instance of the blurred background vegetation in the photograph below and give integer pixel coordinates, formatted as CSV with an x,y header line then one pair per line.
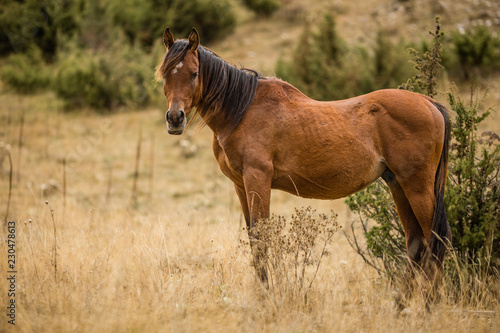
x,y
97,53
101,54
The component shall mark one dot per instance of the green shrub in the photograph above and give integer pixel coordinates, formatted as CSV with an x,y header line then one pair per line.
x,y
384,248
477,51
81,80
105,80
33,23
318,64
214,19
263,7
428,65
140,20
473,189
26,72
388,65
143,21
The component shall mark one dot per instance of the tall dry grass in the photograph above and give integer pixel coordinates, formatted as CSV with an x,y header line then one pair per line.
x,y
174,261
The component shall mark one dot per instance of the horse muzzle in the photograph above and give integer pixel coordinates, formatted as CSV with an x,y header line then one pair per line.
x,y
176,121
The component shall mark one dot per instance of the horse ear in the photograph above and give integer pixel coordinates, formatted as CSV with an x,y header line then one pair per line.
x,y
194,40
168,38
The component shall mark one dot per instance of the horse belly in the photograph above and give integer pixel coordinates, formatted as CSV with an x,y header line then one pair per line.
x,y
329,184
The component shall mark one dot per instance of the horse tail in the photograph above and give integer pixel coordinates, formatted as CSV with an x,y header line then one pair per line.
x,y
441,233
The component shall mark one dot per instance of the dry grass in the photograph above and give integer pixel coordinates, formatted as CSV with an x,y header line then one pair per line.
x,y
174,261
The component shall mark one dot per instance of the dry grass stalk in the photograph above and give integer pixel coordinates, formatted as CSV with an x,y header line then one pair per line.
x,y
54,262
110,183
151,165
293,253
20,147
64,188
136,170
7,152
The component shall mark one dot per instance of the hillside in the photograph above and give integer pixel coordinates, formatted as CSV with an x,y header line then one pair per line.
x,y
258,42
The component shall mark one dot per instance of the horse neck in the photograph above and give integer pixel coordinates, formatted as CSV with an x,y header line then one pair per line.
x,y
227,92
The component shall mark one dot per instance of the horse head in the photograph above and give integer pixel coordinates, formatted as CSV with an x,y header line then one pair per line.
x,y
181,82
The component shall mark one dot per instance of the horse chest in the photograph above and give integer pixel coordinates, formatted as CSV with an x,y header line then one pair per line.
x,y
227,166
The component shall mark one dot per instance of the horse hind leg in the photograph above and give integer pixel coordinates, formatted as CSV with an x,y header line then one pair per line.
x,y
420,193
415,240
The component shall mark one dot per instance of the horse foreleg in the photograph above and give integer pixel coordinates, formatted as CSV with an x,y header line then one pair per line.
x,y
252,210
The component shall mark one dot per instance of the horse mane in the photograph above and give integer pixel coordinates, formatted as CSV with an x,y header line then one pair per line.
x,y
225,89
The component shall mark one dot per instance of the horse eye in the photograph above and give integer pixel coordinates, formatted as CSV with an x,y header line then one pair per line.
x,y
194,76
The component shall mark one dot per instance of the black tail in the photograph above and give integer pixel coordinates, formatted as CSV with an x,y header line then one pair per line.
x,y
441,236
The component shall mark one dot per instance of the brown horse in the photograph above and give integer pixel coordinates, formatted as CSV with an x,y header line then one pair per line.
x,y
268,135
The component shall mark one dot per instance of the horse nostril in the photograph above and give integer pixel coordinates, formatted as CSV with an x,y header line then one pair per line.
x,y
175,117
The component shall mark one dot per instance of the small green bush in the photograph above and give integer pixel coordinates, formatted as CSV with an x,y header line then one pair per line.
x,y
140,20
263,7
477,51
105,80
33,23
214,19
473,189
81,80
385,247
428,65
144,20
26,72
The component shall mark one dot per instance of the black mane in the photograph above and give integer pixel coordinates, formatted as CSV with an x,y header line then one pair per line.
x,y
227,90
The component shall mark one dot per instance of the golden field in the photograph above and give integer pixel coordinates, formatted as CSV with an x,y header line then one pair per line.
x,y
173,261
93,255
